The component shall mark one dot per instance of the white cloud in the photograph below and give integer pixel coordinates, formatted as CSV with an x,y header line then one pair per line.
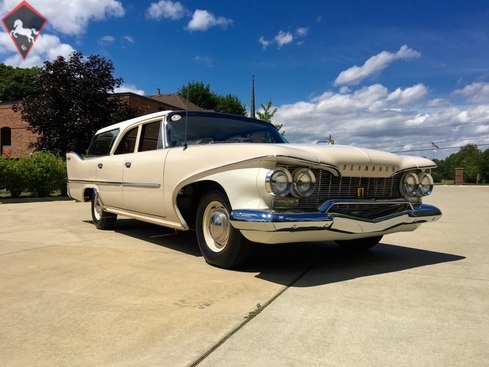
x,y
203,20
205,60
47,47
264,42
409,95
302,32
377,118
75,14
475,92
128,39
374,65
106,40
129,88
166,9
284,38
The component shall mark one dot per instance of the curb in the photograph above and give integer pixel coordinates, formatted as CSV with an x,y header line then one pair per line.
x,y
33,199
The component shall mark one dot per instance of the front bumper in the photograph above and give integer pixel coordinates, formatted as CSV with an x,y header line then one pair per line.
x,y
327,219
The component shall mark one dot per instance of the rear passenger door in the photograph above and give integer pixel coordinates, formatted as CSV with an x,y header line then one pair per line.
x,y
142,174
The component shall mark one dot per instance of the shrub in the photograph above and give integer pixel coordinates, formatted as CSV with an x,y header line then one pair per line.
x,y
12,176
44,173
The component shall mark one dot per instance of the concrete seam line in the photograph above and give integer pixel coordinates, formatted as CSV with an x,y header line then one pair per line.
x,y
248,319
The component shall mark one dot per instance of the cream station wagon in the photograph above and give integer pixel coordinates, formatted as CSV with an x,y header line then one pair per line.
x,y
236,180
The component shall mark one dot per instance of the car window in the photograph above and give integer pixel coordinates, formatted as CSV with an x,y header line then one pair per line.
x,y
128,142
150,137
201,128
102,143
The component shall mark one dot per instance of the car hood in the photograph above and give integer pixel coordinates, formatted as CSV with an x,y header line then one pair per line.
x,y
354,161
339,159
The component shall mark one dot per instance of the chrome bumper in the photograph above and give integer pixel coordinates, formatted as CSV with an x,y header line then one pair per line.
x,y
323,219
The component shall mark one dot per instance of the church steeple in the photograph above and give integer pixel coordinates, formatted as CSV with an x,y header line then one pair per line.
x,y
252,110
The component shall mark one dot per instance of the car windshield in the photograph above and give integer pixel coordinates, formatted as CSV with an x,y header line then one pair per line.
x,y
205,128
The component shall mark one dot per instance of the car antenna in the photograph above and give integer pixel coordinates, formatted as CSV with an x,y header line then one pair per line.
x,y
185,146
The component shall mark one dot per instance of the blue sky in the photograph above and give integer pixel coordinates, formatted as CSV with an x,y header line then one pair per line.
x,y
390,75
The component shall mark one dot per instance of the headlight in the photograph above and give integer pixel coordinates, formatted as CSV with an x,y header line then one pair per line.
x,y
410,184
425,184
279,182
304,182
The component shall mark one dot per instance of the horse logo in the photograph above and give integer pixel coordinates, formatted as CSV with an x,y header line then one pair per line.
x,y
24,21
19,29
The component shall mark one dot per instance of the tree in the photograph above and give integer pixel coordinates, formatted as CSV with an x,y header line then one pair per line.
x,y
230,104
485,166
199,94
17,83
469,157
74,99
267,114
202,96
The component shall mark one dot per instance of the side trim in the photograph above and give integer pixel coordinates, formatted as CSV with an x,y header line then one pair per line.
x,y
144,185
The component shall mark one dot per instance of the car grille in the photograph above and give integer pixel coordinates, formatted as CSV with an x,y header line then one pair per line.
x,y
329,187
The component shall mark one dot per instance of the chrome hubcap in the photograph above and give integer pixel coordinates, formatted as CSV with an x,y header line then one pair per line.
x,y
217,226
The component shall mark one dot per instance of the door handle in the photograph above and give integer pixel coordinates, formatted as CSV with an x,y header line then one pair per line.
x,y
127,164
100,165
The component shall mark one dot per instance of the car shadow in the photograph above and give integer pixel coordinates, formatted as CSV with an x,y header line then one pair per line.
x,y
326,263
286,264
184,242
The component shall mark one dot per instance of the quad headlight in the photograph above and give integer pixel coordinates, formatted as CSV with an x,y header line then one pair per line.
x,y
420,184
280,182
410,184
304,182
425,184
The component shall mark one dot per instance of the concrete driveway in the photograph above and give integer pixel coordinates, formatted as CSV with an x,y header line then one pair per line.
x,y
71,295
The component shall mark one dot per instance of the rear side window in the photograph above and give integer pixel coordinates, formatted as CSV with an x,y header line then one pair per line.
x,y
102,143
150,137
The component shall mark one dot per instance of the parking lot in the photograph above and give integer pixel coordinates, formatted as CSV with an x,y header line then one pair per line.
x,y
141,295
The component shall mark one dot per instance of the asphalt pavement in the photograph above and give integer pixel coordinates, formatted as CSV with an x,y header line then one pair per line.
x,y
141,295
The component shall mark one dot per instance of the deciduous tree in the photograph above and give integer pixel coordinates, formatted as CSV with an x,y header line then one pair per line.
x,y
17,83
201,95
74,99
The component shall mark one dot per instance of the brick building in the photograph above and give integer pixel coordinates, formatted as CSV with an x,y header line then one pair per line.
x,y
15,138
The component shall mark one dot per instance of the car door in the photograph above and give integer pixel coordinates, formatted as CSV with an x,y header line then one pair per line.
x,y
142,174
108,169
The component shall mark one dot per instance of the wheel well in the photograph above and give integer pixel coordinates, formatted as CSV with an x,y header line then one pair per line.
x,y
88,194
189,197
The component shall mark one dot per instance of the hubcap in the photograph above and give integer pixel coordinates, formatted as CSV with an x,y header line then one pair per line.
x,y
216,226
97,209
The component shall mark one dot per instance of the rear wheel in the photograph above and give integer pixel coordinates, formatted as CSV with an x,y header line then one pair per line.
x,y
359,244
220,243
100,217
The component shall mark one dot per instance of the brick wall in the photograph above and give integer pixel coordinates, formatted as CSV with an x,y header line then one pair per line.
x,y
20,137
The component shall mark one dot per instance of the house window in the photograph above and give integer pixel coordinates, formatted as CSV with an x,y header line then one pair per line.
x,y
5,139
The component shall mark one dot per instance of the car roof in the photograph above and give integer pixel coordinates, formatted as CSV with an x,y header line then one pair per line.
x,y
160,114
123,124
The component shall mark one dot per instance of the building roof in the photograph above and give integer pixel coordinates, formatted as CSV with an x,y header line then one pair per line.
x,y
174,99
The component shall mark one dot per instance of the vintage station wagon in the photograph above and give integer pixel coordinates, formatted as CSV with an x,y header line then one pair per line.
x,y
236,180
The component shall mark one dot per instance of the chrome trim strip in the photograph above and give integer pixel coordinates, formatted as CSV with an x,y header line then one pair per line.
x,y
271,221
144,185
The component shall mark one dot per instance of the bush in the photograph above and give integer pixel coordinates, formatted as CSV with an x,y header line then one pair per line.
x,y
40,174
11,176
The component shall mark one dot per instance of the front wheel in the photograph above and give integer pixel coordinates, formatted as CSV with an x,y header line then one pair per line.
x,y
359,244
100,217
220,243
